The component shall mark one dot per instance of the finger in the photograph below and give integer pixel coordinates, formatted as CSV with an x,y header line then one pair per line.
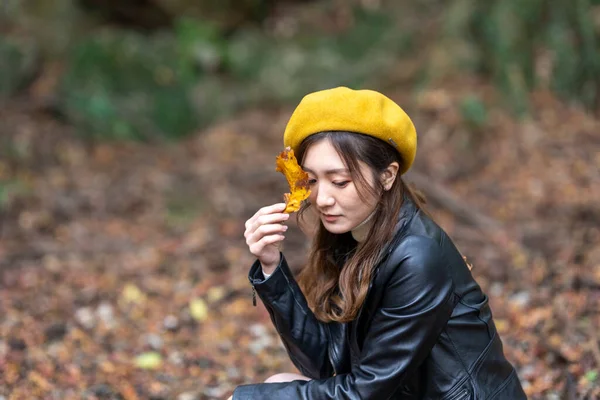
x,y
274,208
270,219
265,220
265,230
258,247
251,224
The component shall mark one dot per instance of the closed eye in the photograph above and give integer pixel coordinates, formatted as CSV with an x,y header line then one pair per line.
x,y
341,184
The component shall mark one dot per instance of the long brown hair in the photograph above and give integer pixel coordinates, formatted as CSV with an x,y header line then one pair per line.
x,y
336,278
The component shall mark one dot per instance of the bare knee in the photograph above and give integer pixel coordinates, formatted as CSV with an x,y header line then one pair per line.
x,y
286,377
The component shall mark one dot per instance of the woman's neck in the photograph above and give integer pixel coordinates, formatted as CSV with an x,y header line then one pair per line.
x,y
360,232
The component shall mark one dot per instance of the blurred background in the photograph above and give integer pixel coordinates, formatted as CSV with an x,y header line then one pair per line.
x,y
137,136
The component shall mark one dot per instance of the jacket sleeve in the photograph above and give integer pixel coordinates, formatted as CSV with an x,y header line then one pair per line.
x,y
304,337
415,307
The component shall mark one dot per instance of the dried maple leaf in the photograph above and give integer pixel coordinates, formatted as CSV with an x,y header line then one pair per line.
x,y
287,164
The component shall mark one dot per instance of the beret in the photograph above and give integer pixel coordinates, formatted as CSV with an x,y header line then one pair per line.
x,y
361,111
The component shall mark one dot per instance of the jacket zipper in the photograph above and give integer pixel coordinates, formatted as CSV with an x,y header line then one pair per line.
x,y
390,249
462,395
253,296
366,297
332,364
329,352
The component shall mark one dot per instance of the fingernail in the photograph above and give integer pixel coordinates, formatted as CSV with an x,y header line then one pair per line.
x,y
285,228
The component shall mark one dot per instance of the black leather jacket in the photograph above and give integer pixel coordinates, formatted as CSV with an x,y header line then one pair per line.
x,y
425,330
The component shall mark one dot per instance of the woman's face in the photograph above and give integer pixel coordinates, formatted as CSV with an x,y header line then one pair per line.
x,y
334,195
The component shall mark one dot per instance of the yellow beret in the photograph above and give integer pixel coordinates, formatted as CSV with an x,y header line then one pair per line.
x,y
361,111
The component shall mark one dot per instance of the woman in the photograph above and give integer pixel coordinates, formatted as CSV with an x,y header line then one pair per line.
x,y
388,308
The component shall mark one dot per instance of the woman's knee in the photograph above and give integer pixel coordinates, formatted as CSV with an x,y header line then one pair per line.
x,y
286,377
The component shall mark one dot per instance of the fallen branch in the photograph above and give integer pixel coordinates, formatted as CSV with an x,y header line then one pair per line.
x,y
445,198
442,196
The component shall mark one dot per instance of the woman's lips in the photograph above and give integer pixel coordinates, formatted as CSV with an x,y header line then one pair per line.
x,y
330,218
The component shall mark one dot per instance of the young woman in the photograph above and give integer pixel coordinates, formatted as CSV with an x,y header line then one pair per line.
x,y
386,307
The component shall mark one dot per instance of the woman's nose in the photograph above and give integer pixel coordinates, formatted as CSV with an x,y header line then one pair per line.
x,y
324,199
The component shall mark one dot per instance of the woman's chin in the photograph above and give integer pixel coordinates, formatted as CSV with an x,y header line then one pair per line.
x,y
336,229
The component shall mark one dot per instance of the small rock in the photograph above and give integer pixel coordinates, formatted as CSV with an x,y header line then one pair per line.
x,y
204,363
54,349
189,396
528,371
102,391
258,330
496,289
171,323
233,373
175,358
225,346
153,340
217,391
106,314
55,332
258,345
521,299
85,317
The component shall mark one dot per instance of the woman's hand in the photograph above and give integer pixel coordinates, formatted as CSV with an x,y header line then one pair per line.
x,y
264,230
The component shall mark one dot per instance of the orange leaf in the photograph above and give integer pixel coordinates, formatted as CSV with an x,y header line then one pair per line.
x,y
287,164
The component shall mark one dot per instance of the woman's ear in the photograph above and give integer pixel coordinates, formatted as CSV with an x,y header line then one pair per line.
x,y
388,176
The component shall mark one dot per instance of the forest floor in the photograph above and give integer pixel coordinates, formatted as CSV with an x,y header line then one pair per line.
x,y
123,267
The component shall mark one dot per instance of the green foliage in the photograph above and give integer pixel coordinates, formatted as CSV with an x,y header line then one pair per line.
x,y
4,195
474,111
225,14
199,43
527,44
52,25
591,375
286,68
10,189
503,32
17,64
123,85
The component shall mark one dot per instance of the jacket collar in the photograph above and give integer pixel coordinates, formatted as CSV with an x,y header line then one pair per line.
x,y
408,209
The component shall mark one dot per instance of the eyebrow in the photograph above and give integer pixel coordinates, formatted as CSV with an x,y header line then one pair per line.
x,y
330,171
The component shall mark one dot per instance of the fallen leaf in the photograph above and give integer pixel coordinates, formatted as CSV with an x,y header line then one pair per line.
x,y
198,309
149,360
215,293
297,178
132,294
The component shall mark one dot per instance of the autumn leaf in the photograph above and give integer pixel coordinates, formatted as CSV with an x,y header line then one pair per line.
x,y
287,164
198,309
132,294
148,360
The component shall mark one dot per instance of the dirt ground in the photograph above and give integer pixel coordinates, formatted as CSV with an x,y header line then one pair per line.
x,y
123,267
